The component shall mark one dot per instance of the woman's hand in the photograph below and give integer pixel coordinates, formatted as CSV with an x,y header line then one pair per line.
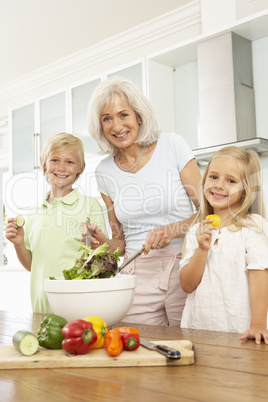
x,y
14,233
256,332
157,238
97,235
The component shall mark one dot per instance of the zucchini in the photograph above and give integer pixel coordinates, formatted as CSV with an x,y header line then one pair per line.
x,y
20,221
26,342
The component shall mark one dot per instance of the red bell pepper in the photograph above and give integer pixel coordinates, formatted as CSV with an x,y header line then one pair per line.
x,y
130,341
79,336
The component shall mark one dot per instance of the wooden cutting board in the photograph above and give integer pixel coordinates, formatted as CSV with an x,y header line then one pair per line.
x,y
10,358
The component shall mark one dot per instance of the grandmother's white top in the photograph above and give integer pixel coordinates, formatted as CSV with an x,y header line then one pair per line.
x,y
221,301
154,196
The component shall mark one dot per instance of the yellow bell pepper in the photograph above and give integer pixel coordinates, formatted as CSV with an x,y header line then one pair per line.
x,y
100,328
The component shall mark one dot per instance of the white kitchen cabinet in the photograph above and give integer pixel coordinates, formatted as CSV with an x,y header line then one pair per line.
x,y
31,125
173,93
65,110
53,116
134,72
23,141
80,97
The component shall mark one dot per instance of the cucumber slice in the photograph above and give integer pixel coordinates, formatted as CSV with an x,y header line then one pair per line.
x,y
26,342
20,221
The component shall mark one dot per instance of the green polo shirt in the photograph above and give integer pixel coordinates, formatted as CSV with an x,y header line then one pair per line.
x,y
53,235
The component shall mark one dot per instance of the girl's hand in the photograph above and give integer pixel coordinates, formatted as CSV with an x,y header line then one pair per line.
x,y
257,333
156,238
14,233
204,234
97,235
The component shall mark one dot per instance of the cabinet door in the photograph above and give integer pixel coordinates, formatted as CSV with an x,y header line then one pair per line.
x,y
173,93
53,116
80,96
133,73
23,129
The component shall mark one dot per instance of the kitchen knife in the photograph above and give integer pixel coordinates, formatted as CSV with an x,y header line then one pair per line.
x,y
170,353
131,259
88,236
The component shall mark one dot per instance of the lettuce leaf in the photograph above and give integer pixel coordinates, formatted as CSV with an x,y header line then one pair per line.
x,y
98,263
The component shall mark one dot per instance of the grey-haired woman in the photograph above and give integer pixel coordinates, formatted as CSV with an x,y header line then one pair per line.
x,y
149,184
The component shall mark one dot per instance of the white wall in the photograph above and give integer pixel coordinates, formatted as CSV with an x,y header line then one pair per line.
x,y
15,290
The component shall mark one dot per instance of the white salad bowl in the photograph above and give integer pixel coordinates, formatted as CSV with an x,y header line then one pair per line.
x,y
108,298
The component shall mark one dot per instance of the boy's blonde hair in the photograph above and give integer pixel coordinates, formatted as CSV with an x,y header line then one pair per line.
x,y
61,143
252,200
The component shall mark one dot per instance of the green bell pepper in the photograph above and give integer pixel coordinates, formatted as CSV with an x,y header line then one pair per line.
x,y
49,334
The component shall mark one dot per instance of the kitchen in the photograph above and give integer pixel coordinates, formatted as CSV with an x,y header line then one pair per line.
x,y
146,53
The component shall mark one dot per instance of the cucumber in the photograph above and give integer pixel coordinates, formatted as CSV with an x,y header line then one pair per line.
x,y
20,221
26,342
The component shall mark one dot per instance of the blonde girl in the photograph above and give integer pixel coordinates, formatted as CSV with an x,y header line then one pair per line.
x,y
225,270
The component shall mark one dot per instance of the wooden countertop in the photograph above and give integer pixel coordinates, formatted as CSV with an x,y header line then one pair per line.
x,y
226,369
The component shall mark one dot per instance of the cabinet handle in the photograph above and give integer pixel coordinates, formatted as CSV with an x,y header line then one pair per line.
x,y
36,150
37,141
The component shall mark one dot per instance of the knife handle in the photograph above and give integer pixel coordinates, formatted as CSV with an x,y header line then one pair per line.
x,y
170,353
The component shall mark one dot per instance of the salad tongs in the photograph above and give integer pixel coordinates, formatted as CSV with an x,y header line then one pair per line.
x,y
135,255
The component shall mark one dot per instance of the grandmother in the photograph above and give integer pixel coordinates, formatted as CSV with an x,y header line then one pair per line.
x,y
149,184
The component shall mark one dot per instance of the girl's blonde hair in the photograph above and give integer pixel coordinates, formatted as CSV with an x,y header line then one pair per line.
x,y
130,93
63,143
252,200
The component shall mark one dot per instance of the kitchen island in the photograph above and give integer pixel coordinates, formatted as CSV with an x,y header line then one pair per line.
x,y
225,369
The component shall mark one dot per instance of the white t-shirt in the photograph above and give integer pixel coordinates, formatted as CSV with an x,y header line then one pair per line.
x,y
153,196
221,300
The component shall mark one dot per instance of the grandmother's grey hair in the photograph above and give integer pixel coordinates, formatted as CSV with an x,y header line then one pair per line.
x,y
129,92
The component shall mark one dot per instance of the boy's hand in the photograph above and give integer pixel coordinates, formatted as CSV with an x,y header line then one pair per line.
x,y
14,233
257,333
97,235
204,234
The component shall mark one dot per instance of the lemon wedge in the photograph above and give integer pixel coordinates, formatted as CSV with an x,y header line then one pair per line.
x,y
216,219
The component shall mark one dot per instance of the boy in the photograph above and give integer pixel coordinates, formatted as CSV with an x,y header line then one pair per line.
x,y
49,241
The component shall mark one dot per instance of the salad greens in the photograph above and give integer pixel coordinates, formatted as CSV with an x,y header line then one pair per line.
x,y
99,263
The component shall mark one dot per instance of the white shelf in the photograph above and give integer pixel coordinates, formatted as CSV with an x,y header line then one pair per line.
x,y
252,28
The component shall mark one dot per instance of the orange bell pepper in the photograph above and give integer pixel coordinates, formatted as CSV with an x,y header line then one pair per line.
x,y
127,330
113,342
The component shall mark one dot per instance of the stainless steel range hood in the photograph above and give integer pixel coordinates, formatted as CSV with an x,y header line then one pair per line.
x,y
259,145
226,96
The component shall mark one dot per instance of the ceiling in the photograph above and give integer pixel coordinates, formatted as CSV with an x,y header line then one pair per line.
x,y
34,33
